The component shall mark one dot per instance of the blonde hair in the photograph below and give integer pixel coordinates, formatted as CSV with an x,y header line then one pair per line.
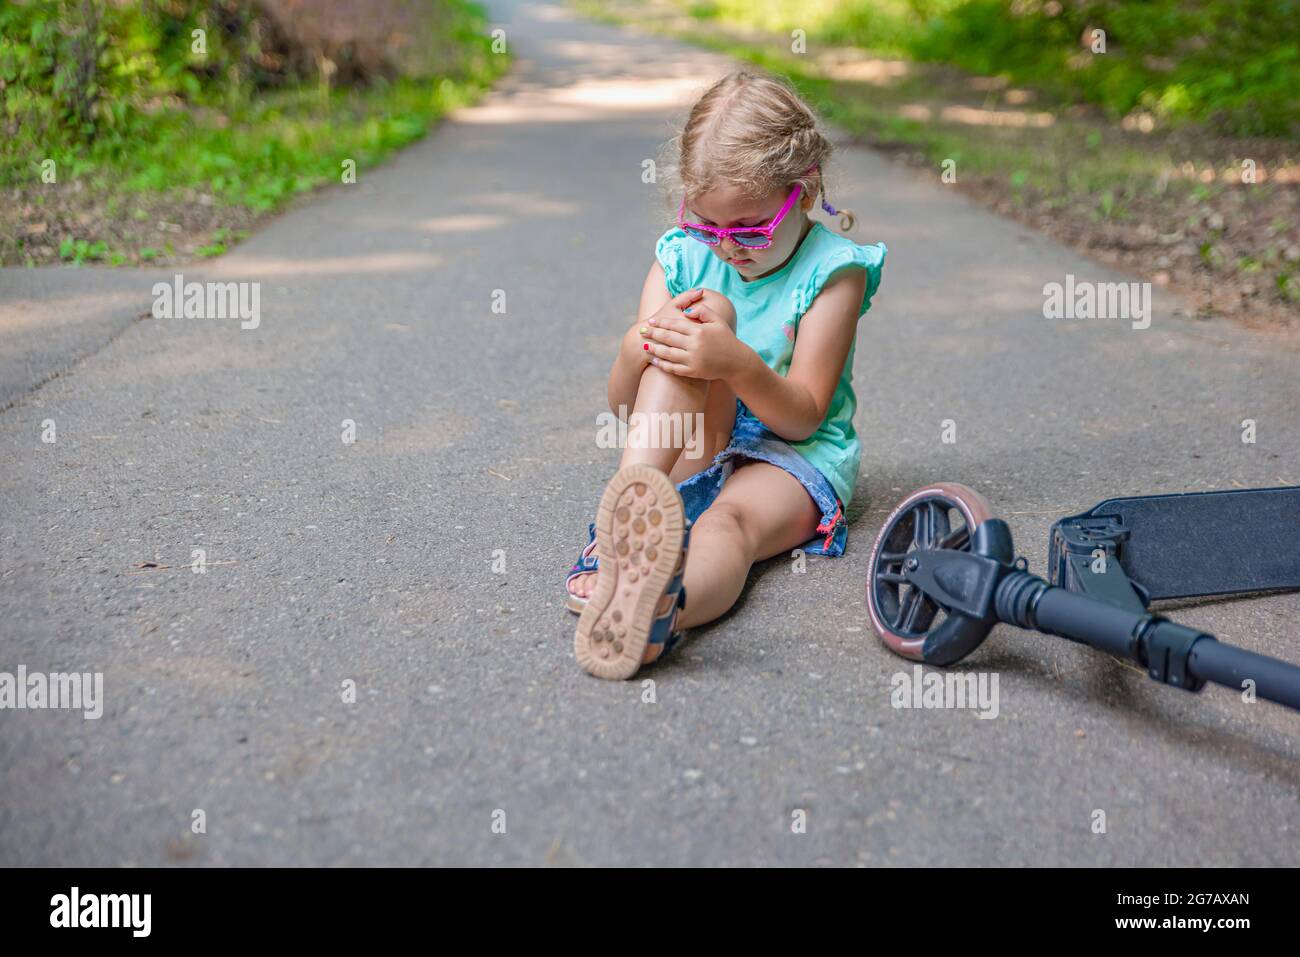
x,y
752,131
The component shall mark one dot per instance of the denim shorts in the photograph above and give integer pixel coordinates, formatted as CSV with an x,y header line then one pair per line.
x,y
751,439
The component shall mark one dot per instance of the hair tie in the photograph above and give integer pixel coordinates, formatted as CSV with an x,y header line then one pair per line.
x,y
821,188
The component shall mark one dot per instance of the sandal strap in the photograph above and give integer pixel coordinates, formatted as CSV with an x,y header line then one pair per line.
x,y
676,584
664,630
588,561
676,636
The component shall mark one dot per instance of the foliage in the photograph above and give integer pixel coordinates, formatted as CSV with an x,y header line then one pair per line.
x,y
119,89
121,98
1232,63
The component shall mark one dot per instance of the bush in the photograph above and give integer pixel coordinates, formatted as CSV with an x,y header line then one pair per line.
x,y
1234,64
82,73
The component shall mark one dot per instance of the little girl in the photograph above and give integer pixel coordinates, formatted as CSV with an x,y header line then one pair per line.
x,y
748,319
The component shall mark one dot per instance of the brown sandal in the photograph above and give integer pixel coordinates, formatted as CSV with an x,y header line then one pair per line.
x,y
641,539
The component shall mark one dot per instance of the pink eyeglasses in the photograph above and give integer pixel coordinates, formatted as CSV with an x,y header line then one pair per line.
x,y
750,237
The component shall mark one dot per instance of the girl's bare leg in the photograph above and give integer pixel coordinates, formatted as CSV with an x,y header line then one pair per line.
x,y
660,393
761,511
664,392
662,398
715,433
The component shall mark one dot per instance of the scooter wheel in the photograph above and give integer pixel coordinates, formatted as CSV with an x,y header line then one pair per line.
x,y
943,515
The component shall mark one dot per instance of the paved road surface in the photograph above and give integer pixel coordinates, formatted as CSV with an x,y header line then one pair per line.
x,y
475,436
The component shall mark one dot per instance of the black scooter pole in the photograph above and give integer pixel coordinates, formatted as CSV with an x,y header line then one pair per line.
x,y
1230,666
1171,653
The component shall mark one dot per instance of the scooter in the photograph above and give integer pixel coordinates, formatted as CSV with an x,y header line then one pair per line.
x,y
943,572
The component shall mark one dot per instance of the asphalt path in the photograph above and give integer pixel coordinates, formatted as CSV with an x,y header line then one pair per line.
x,y
423,561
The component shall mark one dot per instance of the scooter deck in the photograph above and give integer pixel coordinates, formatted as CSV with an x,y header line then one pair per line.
x,y
1190,544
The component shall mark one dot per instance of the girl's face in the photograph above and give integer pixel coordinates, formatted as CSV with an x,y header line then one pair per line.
x,y
727,206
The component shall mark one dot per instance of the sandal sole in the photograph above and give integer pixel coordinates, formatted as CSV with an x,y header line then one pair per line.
x,y
640,527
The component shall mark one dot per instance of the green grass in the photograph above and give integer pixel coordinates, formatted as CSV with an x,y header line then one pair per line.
x,y
264,152
244,152
1095,165
1068,159
1232,63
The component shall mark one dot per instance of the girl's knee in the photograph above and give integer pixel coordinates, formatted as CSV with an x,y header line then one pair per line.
x,y
720,306
723,520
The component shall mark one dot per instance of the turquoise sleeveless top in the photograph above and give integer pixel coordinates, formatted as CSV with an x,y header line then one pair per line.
x,y
768,311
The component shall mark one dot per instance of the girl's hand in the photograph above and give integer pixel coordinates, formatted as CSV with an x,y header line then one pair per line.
x,y
674,307
698,345
634,340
